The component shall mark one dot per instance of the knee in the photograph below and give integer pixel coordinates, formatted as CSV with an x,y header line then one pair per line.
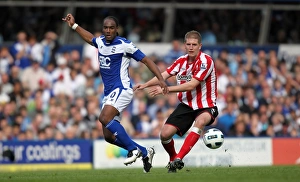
x,y
202,120
103,120
165,136
201,124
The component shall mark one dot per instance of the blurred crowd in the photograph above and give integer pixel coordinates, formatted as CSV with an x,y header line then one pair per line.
x,y
218,26
46,94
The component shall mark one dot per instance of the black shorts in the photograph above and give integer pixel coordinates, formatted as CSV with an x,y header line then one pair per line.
x,y
184,116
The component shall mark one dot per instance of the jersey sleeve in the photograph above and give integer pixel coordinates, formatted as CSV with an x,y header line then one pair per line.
x,y
173,69
95,42
132,51
204,68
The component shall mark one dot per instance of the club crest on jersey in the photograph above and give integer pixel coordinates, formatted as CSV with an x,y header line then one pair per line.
x,y
113,49
184,77
203,66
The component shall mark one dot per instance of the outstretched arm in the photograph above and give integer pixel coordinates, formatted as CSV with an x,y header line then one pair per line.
x,y
159,79
84,34
154,81
188,86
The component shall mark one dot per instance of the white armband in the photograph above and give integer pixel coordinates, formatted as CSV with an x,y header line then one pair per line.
x,y
74,26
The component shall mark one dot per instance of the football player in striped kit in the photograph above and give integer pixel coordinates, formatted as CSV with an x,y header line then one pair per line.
x,y
115,53
197,92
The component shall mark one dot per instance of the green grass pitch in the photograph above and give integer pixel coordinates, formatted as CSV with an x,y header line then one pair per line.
x,y
187,174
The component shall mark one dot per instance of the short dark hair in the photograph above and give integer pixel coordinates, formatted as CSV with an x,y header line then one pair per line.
x,y
114,19
193,34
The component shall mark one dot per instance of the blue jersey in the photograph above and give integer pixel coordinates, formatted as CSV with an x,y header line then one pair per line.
x,y
114,59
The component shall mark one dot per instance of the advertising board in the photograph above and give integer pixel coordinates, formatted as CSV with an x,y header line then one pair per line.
x,y
234,152
46,154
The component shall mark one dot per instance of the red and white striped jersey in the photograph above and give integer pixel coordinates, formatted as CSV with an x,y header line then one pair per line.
x,y
202,69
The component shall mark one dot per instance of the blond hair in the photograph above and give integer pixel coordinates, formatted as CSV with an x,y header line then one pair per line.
x,y
193,34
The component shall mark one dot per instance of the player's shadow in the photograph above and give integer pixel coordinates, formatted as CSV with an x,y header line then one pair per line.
x,y
9,155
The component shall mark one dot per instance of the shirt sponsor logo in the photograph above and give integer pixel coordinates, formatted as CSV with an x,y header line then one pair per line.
x,y
104,62
184,77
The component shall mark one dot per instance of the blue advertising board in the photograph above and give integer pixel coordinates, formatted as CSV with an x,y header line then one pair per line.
x,y
66,152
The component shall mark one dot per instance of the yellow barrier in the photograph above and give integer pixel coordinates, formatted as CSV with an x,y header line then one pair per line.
x,y
36,167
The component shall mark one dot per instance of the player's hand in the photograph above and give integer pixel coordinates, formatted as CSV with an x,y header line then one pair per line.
x,y
138,87
164,87
69,19
154,91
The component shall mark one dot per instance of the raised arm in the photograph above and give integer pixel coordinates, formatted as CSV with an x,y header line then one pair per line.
x,y
84,34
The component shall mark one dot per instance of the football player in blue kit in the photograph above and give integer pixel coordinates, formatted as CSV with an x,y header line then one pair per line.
x,y
114,54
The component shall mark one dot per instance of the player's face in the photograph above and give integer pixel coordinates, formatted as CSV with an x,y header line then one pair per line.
x,y
109,29
192,47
